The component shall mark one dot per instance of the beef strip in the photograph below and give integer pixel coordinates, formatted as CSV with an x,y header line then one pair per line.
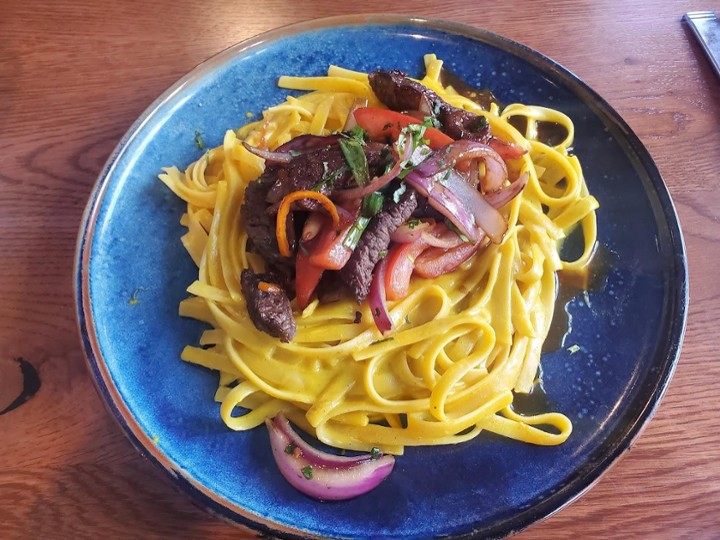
x,y
357,272
270,310
308,169
263,196
400,93
259,225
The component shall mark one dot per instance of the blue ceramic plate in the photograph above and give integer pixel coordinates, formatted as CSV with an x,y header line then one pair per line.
x,y
628,333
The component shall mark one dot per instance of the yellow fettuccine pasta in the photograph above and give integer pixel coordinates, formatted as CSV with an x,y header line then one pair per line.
x,y
462,344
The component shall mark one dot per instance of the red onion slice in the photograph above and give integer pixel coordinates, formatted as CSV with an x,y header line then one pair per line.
x,y
267,155
319,474
485,215
462,151
405,233
506,150
445,201
504,195
377,297
437,261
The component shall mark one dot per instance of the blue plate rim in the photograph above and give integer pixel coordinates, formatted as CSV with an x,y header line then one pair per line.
x,y
677,299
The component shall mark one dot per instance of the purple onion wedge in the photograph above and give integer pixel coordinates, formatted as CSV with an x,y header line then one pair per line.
x,y
319,474
446,202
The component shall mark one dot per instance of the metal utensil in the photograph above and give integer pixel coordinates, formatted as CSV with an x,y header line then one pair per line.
x,y
706,27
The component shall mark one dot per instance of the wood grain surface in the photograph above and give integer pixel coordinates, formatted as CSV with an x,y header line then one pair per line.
x,y
75,75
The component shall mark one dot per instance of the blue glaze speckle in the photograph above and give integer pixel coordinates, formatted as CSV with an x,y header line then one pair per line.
x,y
628,337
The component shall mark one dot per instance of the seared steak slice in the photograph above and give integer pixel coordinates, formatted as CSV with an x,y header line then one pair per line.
x,y
358,271
260,225
268,305
309,169
400,93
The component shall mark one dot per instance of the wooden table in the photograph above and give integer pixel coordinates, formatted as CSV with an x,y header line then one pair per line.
x,y
74,76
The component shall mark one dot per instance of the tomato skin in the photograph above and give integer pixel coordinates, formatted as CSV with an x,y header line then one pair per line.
x,y
307,277
328,251
438,261
383,123
401,263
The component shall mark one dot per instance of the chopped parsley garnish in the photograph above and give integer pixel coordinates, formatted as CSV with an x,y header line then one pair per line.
x,y
381,340
307,472
375,453
134,300
355,157
353,236
371,205
290,448
359,134
407,319
199,142
431,121
399,192
383,253
413,223
573,349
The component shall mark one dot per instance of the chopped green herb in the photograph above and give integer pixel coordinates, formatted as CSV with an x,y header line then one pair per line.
x,y
573,349
359,134
381,340
290,448
199,142
134,300
375,453
307,472
207,159
156,439
294,153
353,236
407,319
356,160
372,204
399,192
383,253
431,121
413,223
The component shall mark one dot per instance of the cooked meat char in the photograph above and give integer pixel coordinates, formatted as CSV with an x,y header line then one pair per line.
x,y
305,171
260,225
269,310
308,169
400,93
358,271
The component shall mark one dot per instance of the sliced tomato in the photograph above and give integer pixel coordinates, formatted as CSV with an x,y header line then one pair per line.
x,y
383,123
401,262
328,251
307,277
438,261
